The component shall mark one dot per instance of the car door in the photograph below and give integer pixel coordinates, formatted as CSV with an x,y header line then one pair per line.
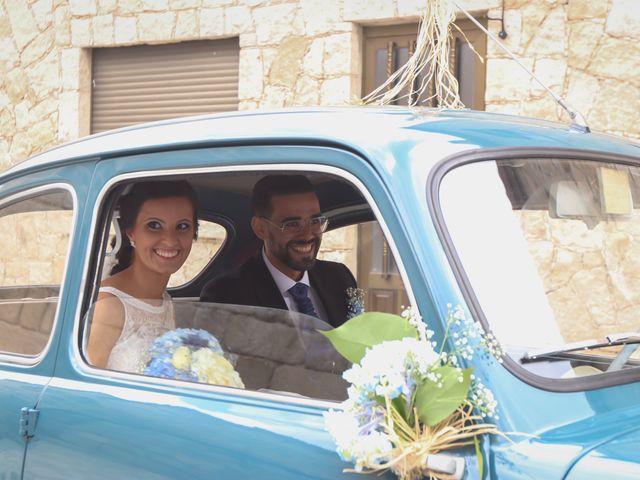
x,y
38,219
103,424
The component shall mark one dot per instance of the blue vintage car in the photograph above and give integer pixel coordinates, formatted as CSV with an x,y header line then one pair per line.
x,y
530,226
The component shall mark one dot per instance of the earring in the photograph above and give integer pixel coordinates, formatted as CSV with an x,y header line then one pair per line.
x,y
133,244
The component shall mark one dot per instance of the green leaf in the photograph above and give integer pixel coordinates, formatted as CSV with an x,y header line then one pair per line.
x,y
400,404
352,338
479,457
435,403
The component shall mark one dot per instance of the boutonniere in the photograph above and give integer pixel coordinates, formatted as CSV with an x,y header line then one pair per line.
x,y
355,302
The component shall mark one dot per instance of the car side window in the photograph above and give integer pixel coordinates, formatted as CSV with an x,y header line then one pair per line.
x,y
271,350
263,345
34,232
364,248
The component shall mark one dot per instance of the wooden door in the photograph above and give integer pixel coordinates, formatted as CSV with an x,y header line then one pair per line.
x,y
378,273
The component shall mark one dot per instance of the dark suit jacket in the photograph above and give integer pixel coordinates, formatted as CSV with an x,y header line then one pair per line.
x,y
252,284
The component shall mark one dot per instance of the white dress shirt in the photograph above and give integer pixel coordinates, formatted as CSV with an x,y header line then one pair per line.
x,y
284,283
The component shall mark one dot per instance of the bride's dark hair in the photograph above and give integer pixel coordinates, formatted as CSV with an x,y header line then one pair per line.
x,y
129,206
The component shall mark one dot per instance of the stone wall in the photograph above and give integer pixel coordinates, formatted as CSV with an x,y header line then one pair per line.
x,y
591,276
34,248
586,50
308,52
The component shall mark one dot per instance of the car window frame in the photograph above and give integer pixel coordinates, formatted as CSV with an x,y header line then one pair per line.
x,y
94,257
434,180
34,360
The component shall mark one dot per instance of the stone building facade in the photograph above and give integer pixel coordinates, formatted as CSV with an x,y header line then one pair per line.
x,y
310,52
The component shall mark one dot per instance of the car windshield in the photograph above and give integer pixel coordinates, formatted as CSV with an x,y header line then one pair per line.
x,y
551,249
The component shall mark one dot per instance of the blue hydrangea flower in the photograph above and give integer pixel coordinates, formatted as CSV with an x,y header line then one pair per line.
x,y
190,354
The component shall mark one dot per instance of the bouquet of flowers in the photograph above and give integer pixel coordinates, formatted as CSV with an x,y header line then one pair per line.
x,y
190,354
407,401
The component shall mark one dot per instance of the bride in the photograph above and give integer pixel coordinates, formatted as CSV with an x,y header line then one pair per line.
x,y
159,223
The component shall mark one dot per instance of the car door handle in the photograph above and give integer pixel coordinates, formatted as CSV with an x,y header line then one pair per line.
x,y
451,466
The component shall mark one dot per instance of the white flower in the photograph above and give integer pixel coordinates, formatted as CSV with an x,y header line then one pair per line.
x,y
371,448
391,368
211,367
343,427
458,313
483,399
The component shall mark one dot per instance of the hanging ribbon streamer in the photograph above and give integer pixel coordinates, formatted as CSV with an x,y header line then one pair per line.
x,y
427,77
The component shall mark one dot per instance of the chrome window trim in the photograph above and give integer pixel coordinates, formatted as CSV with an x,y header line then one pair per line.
x,y
25,360
153,382
22,376
434,179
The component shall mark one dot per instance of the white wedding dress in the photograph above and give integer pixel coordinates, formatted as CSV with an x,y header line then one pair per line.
x,y
143,323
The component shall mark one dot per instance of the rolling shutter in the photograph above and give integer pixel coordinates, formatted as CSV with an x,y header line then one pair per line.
x,y
153,82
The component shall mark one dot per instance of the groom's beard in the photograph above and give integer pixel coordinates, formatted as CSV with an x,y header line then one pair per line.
x,y
289,255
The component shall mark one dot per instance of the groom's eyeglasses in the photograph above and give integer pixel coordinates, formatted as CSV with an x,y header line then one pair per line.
x,y
291,227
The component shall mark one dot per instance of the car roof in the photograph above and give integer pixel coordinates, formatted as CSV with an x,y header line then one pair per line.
x,y
363,129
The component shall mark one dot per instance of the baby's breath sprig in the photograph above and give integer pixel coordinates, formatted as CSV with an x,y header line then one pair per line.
x,y
492,346
469,336
415,320
482,399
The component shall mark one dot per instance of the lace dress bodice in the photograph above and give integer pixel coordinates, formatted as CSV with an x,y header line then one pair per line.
x,y
143,322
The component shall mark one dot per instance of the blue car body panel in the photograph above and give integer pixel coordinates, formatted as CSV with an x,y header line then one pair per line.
x,y
124,426
21,385
616,456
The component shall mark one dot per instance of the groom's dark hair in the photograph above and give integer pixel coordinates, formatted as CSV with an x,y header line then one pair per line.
x,y
273,185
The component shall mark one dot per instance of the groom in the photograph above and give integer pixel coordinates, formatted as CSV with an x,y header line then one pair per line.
x,y
285,273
